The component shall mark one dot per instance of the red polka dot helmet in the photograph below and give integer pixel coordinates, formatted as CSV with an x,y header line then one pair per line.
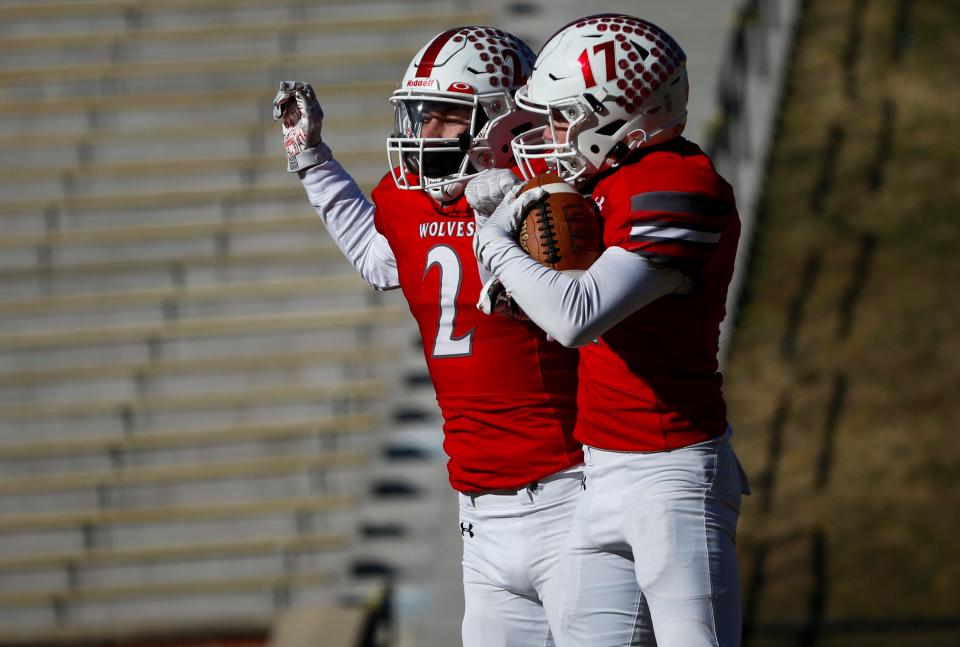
x,y
615,82
474,71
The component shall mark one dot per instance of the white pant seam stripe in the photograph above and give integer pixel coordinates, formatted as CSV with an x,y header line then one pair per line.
x,y
706,548
636,616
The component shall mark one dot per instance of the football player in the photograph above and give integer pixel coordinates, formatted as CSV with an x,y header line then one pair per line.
x,y
657,523
507,395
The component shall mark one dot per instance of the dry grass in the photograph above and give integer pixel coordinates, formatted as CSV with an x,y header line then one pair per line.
x,y
887,506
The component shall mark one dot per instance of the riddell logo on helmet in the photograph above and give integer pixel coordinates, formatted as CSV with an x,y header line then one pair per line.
x,y
422,83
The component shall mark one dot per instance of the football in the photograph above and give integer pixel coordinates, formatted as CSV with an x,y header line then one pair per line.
x,y
563,231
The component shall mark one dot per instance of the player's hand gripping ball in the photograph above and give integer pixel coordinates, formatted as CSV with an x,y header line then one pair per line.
x,y
562,230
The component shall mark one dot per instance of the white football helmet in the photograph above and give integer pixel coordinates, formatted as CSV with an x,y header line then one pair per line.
x,y
618,81
480,69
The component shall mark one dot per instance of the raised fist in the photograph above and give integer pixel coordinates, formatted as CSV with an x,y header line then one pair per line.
x,y
300,115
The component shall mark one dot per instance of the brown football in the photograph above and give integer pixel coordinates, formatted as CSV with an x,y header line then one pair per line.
x,y
563,231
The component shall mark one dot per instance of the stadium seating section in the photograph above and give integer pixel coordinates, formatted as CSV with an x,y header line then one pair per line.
x,y
195,388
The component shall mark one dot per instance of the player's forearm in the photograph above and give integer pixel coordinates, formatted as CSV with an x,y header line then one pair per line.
x,y
348,217
577,310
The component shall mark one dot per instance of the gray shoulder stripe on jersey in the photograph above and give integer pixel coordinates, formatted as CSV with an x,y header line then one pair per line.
x,y
679,202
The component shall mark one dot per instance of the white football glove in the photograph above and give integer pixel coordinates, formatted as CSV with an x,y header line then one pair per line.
x,y
495,300
486,191
503,227
301,117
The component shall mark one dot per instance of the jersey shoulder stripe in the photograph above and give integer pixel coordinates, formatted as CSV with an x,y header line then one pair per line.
x,y
678,202
679,225
680,235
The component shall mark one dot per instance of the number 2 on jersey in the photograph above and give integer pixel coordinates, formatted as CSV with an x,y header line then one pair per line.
x,y
451,275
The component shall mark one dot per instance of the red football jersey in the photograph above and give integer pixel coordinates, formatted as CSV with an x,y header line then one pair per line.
x,y
651,382
507,395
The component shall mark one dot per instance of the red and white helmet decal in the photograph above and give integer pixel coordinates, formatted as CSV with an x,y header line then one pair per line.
x,y
639,57
429,58
464,88
484,57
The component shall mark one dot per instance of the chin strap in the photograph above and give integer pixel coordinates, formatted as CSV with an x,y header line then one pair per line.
x,y
445,193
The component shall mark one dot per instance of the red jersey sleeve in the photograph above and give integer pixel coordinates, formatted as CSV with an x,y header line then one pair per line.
x,y
672,226
673,212
382,189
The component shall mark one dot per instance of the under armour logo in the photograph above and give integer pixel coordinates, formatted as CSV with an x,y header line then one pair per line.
x,y
466,529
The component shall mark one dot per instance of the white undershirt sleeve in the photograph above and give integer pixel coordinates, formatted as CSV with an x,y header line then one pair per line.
x,y
576,310
348,217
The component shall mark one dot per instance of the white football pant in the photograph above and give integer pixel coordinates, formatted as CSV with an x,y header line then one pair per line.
x,y
511,547
655,533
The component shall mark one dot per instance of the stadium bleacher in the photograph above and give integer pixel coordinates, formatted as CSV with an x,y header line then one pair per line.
x,y
194,387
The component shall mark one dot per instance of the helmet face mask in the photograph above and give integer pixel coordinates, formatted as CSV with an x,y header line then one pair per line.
x,y
618,82
417,159
553,143
469,74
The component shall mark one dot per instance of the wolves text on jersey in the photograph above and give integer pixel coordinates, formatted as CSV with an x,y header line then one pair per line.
x,y
448,228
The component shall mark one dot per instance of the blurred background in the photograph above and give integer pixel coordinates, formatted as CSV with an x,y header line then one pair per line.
x,y
213,434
